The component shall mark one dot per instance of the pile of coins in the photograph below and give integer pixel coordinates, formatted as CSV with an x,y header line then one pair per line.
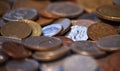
x,y
38,35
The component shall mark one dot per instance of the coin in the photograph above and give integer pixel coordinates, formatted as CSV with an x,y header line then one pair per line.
x,y
79,62
88,48
52,30
3,57
20,14
42,43
16,50
116,2
16,29
99,30
109,43
65,9
105,12
22,65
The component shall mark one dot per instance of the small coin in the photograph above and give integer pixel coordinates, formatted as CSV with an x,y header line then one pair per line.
x,y
52,30
109,43
116,2
79,62
42,43
16,50
20,14
99,30
65,9
87,48
16,29
22,65
106,13
3,57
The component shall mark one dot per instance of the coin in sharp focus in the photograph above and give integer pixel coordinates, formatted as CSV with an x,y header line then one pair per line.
x,y
65,9
3,57
109,43
36,28
52,30
42,43
116,2
80,63
88,48
106,13
16,29
20,14
83,22
99,30
22,65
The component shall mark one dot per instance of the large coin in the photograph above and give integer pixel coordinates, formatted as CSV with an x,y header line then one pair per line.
x,y
106,13
16,29
20,14
43,43
65,9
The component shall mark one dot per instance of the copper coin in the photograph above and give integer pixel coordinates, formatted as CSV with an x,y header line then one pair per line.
x,y
3,57
109,43
83,22
65,9
20,14
52,30
116,2
16,50
87,48
99,30
106,13
16,29
22,65
79,62
43,43
44,21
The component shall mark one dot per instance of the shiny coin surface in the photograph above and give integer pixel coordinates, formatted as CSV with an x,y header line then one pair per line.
x,y
3,57
109,43
87,48
20,14
51,30
99,30
16,50
16,29
42,43
106,13
22,65
79,62
116,2
65,9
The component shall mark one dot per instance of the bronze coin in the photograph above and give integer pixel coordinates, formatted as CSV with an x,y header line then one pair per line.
x,y
109,43
16,50
3,57
42,43
16,29
87,48
116,2
65,9
99,30
20,14
106,13
22,65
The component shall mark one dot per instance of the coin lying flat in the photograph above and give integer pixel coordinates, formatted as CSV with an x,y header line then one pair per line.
x,y
52,30
22,65
21,13
42,43
16,29
109,43
65,9
116,2
87,48
99,30
106,13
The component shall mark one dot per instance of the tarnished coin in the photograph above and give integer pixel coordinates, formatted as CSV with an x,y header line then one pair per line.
x,y
99,30
16,29
22,65
52,30
80,63
116,2
87,48
106,13
65,9
3,57
43,43
20,14
109,43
